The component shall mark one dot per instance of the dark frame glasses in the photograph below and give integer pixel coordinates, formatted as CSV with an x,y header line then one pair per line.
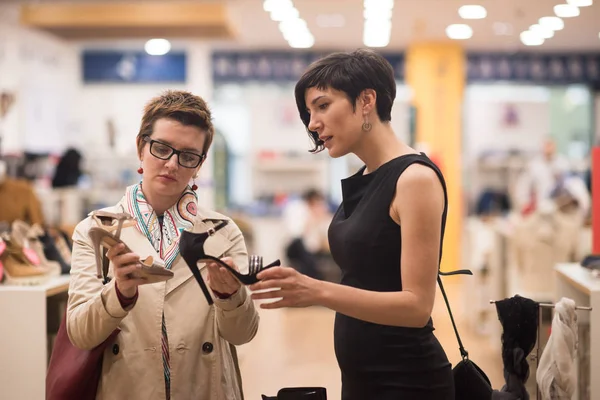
x,y
163,151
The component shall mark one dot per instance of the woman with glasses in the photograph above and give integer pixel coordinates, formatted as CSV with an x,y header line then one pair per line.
x,y
170,342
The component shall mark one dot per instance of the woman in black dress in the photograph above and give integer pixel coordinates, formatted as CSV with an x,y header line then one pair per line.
x,y
386,237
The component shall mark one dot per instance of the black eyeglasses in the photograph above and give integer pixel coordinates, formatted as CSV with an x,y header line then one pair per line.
x,y
163,151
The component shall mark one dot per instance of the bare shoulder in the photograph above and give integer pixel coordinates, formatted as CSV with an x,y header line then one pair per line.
x,y
419,177
418,190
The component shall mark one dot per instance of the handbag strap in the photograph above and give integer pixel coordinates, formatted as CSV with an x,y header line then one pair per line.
x,y
463,352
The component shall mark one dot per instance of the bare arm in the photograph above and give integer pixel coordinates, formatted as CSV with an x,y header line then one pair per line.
x,y
418,206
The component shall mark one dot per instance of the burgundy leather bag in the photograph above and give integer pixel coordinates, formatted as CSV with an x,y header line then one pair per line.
x,y
74,374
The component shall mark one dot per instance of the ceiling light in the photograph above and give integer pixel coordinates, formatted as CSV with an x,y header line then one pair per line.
x,y
379,4
293,25
459,31
377,13
302,41
378,22
157,47
472,12
282,14
331,20
270,5
374,40
566,11
502,28
554,23
541,31
531,39
580,3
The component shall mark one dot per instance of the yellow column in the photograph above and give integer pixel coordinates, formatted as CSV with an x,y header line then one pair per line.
x,y
436,74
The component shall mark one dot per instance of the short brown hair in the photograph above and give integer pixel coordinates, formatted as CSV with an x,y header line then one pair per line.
x,y
180,106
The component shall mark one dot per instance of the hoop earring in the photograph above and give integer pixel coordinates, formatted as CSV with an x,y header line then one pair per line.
x,y
366,126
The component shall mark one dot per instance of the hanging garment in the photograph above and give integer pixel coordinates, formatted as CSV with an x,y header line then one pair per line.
x,y
519,318
556,375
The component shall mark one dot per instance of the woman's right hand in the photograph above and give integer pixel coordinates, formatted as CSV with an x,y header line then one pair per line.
x,y
123,266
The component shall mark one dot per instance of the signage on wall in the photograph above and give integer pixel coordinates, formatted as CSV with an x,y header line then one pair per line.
x,y
542,68
132,67
232,66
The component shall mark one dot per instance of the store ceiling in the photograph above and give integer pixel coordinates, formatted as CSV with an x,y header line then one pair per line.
x,y
413,20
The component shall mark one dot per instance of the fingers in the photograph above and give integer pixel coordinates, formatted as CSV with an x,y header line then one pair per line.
x,y
123,272
115,250
273,294
276,273
276,304
229,261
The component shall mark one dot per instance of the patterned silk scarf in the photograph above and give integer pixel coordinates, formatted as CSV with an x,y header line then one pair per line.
x,y
175,220
165,241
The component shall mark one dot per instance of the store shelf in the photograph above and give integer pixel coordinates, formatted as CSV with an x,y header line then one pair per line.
x,y
26,315
54,286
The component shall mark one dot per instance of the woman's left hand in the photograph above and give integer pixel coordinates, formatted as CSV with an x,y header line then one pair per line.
x,y
220,279
293,288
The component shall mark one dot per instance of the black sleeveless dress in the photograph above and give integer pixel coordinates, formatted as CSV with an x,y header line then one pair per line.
x,y
382,362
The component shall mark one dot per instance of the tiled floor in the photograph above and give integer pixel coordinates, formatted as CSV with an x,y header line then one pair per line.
x,y
294,347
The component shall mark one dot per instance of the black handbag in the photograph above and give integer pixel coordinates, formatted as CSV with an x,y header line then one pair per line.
x,y
299,393
470,382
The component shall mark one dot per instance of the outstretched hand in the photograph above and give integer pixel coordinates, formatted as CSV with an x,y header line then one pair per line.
x,y
284,283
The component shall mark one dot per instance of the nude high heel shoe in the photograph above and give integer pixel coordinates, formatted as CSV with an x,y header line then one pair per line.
x,y
107,235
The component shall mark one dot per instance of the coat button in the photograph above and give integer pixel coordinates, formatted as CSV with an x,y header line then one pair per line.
x,y
115,349
207,347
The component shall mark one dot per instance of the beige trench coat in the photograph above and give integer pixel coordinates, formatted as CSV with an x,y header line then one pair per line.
x,y
203,366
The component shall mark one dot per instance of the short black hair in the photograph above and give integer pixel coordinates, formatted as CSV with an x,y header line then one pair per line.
x,y
351,73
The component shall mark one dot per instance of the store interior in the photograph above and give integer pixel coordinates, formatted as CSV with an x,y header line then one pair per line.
x,y
489,99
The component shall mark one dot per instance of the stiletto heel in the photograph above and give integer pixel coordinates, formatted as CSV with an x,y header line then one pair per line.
x,y
103,235
191,248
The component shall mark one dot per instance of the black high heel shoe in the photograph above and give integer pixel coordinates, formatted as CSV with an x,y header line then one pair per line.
x,y
191,248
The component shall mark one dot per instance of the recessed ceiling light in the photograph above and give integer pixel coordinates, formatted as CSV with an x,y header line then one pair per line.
x,y
554,23
502,29
472,12
459,31
157,47
283,14
331,20
541,31
304,41
531,39
270,5
377,13
580,3
566,11
379,4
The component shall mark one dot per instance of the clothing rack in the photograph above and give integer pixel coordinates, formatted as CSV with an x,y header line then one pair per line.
x,y
540,321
